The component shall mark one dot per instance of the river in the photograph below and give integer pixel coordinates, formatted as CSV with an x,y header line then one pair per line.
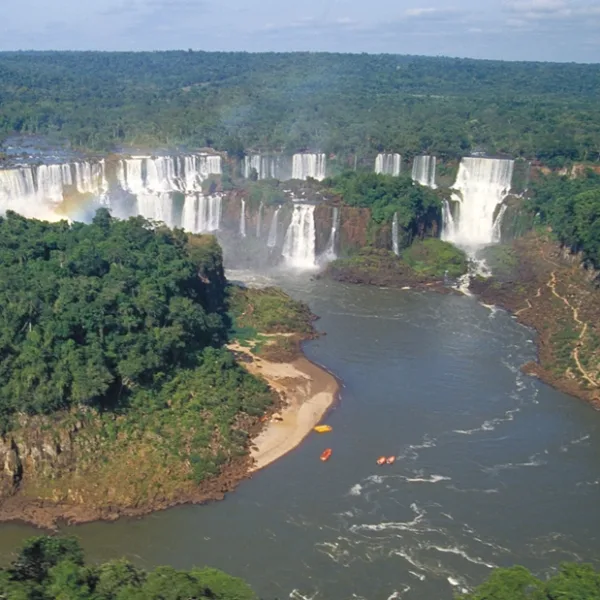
x,y
493,467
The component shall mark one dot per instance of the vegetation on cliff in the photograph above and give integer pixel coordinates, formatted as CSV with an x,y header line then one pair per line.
x,y
338,103
571,206
93,313
417,207
422,264
52,568
269,321
115,387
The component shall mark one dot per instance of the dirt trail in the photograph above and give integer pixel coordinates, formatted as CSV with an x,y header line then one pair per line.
x,y
584,326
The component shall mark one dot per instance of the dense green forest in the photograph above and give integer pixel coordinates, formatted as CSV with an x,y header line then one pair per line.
x,y
333,102
116,315
52,568
571,206
385,196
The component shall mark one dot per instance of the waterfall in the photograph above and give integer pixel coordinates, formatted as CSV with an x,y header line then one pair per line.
x,y
449,225
395,242
423,170
252,162
155,175
299,244
497,226
38,191
154,180
259,219
268,166
309,165
201,214
272,240
330,253
388,164
481,186
243,219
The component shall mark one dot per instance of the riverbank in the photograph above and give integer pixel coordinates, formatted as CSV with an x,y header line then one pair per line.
x,y
307,392
546,288
84,465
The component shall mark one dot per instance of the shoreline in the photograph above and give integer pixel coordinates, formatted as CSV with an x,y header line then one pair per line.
x,y
308,392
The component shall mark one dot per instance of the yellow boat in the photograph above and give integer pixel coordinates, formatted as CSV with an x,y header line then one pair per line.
x,y
323,428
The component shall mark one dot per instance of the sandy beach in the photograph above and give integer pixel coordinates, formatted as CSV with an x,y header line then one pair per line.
x,y
308,391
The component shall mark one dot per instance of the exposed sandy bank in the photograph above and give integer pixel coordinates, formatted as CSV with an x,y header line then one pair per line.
x,y
308,391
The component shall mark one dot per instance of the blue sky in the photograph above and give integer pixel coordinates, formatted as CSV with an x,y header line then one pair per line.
x,y
557,30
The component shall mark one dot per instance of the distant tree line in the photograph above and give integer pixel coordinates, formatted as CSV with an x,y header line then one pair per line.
x,y
337,103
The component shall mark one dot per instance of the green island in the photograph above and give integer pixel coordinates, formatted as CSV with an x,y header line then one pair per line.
x,y
118,395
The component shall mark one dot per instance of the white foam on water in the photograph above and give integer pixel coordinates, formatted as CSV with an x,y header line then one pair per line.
x,y
396,594
295,594
355,490
460,552
424,479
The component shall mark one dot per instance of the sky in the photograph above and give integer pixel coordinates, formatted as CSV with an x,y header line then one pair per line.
x,y
547,30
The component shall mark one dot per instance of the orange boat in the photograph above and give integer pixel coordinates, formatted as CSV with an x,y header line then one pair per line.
x,y
390,460
326,454
381,460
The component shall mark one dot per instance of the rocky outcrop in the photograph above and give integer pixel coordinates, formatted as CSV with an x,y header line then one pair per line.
x,y
35,447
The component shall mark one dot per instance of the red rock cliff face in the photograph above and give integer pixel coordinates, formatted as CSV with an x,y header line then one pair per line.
x,y
354,227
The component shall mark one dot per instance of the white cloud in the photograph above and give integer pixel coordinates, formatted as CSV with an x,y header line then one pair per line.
x,y
419,12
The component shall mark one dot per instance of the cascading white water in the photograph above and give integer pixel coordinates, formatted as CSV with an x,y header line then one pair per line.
x,y
300,239
243,219
268,166
388,164
253,162
481,186
330,253
153,180
155,175
259,219
423,170
395,241
309,165
201,214
272,239
37,191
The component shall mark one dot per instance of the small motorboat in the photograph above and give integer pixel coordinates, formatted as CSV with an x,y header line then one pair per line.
x,y
323,428
326,454
381,460
390,460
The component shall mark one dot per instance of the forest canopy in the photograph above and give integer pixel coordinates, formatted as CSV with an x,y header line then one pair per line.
x,y
90,313
48,568
337,103
571,206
